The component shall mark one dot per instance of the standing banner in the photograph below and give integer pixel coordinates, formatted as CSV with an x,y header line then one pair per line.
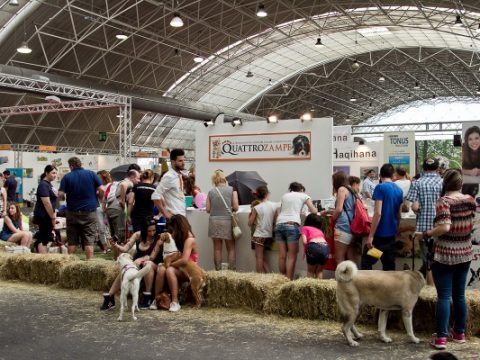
x,y
351,157
399,149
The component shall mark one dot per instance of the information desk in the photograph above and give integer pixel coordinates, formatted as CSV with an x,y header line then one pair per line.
x,y
245,259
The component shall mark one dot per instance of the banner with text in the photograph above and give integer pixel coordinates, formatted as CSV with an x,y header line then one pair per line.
x,y
264,146
399,150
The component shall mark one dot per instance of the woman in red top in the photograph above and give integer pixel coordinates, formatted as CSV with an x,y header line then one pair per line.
x,y
181,232
315,246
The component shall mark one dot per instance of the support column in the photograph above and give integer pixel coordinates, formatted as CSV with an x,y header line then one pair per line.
x,y
125,130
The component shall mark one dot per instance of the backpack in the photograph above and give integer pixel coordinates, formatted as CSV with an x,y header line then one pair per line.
x,y
361,224
111,192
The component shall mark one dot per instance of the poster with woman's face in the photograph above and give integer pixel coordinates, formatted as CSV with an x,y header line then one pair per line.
x,y
471,153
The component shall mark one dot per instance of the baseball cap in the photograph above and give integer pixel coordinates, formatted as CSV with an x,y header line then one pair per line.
x,y
430,164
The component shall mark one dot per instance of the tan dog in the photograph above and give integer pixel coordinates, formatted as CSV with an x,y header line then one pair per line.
x,y
386,290
196,275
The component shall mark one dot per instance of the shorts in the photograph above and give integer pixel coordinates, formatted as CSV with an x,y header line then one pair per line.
x,y
287,233
342,237
5,236
262,241
82,228
317,253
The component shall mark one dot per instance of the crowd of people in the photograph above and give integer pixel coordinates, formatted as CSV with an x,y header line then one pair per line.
x,y
123,216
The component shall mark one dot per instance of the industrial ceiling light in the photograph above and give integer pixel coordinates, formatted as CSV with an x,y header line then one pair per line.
x,y
249,74
319,42
381,79
121,36
53,99
198,59
261,12
208,123
272,119
348,120
176,21
24,49
370,104
353,98
236,121
434,96
13,3
417,86
478,91
306,117
478,29
355,64
458,21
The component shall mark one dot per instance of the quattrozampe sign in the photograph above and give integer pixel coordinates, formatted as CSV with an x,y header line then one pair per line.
x,y
265,146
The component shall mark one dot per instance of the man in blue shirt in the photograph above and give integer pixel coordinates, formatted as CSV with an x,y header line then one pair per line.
x,y
81,187
368,186
388,199
10,185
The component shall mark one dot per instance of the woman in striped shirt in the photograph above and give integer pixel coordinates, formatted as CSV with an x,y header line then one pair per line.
x,y
452,254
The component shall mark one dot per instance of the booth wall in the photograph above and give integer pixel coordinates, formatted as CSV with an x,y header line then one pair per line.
x,y
314,174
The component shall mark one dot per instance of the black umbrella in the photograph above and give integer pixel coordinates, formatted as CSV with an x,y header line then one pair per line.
x,y
245,183
119,173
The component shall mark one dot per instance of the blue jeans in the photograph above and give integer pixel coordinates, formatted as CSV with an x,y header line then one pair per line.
x,y
450,282
287,233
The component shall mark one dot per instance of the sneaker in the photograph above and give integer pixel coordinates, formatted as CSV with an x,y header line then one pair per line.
x,y
153,305
458,338
174,307
439,343
146,301
108,302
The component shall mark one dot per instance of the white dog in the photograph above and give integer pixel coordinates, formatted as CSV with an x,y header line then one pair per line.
x,y
130,279
386,290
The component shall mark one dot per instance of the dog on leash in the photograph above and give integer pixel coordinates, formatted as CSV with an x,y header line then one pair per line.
x,y
196,275
386,290
130,278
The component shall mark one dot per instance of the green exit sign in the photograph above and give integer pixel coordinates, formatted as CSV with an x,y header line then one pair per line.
x,y
102,136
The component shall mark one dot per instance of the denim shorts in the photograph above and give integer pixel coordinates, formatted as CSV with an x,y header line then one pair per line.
x,y
287,233
317,253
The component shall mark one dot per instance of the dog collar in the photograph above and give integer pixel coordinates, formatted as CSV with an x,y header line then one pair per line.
x,y
127,267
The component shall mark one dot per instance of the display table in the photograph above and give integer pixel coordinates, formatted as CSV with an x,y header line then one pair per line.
x,y
245,256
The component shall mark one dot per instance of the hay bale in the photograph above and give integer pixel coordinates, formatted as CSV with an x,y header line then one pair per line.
x,y
306,298
3,244
96,274
244,290
35,268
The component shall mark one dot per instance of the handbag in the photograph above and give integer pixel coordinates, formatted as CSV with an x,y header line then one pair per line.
x,y
236,230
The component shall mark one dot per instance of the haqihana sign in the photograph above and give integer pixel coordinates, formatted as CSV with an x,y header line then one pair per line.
x,y
266,146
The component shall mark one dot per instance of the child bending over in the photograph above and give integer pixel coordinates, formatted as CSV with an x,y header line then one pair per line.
x,y
316,248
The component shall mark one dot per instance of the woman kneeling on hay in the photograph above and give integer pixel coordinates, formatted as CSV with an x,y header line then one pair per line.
x,y
148,248
181,232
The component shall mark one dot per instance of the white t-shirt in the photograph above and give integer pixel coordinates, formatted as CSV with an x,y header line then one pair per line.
x,y
265,213
404,185
170,189
291,207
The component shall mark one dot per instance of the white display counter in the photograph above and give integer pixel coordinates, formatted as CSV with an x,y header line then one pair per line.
x,y
245,255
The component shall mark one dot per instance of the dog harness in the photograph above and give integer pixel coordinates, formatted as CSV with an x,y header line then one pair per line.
x,y
126,268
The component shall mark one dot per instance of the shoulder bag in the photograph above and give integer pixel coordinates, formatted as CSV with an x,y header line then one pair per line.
x,y
236,231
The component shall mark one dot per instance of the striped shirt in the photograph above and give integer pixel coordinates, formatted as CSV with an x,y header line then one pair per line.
x,y
455,246
426,191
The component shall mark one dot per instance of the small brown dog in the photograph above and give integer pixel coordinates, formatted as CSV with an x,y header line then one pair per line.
x,y
196,275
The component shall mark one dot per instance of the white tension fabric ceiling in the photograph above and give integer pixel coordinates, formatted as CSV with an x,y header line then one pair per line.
x,y
376,55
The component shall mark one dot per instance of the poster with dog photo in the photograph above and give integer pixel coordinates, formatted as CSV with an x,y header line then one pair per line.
x,y
344,168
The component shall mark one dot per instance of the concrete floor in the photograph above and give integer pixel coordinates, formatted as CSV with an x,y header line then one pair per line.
x,y
39,322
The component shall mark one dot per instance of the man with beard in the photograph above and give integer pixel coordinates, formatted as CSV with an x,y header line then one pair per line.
x,y
169,196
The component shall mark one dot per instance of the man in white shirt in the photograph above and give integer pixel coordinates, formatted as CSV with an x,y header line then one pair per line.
x,y
168,197
368,184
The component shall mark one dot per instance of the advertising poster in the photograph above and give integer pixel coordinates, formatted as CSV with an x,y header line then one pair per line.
x,y
295,145
399,149
344,168
471,152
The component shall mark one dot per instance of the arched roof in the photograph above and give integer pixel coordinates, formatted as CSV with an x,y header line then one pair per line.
x,y
402,41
